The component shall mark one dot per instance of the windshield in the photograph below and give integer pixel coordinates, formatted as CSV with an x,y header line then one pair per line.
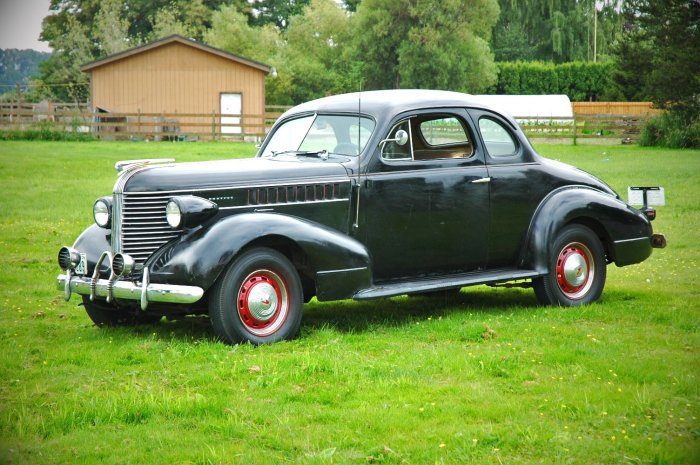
x,y
339,134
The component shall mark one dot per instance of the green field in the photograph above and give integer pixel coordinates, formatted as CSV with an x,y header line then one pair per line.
x,y
489,378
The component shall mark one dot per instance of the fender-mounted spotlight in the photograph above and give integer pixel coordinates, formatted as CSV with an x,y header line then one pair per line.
x,y
122,265
68,258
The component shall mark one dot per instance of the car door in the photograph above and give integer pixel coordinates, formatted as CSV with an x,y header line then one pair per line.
x,y
517,186
424,204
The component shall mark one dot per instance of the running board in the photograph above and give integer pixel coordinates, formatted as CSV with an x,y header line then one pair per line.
x,y
444,282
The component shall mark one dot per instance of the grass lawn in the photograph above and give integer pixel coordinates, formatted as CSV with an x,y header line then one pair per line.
x,y
489,378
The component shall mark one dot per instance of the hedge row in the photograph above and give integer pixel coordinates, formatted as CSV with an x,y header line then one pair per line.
x,y
581,81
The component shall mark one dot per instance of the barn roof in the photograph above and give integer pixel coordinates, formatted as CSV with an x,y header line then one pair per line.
x,y
175,39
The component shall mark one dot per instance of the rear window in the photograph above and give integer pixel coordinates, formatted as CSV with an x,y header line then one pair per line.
x,y
498,140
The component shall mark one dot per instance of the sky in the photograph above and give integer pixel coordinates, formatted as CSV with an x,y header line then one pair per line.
x,y
20,24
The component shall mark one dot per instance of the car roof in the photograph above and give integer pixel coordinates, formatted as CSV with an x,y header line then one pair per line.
x,y
383,104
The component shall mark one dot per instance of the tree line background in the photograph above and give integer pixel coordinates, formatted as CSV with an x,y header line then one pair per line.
x,y
588,49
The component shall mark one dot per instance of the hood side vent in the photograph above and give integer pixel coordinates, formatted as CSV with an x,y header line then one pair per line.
x,y
294,194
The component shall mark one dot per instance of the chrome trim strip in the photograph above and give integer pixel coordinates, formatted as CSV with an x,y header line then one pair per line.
x,y
128,290
125,165
203,190
281,204
446,169
632,240
344,270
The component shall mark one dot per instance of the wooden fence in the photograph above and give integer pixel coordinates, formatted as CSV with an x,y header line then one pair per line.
x,y
138,126
613,108
583,127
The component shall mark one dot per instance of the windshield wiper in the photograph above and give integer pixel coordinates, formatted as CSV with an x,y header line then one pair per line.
x,y
322,154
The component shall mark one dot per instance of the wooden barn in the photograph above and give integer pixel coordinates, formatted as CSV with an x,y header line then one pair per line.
x,y
178,86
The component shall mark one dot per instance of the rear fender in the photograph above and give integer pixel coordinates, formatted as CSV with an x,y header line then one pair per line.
x,y
199,257
616,223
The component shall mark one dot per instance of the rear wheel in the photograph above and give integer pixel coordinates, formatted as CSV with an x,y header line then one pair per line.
x,y
577,269
103,314
258,299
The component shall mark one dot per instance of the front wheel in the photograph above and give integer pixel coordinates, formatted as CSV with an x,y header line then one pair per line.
x,y
577,269
258,299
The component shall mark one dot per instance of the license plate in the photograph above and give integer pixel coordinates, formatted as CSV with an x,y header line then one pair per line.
x,y
654,196
81,269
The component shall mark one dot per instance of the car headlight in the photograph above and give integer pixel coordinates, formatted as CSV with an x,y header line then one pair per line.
x,y
102,212
173,214
187,211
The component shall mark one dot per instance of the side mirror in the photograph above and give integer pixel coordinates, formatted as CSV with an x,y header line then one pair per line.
x,y
401,138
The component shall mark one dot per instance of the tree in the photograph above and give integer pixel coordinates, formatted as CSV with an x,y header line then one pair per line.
x,y
277,12
140,16
426,43
316,53
190,19
111,27
658,54
351,5
310,57
555,30
230,31
61,72
658,59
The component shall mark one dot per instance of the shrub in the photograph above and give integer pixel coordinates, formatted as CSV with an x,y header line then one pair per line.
x,y
581,81
46,130
671,130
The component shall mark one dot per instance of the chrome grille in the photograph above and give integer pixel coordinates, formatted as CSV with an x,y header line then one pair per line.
x,y
143,226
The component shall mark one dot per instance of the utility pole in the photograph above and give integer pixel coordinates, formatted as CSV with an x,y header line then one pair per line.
x,y
595,32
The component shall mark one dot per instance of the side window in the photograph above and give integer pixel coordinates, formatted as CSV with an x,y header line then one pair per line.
x,y
431,137
394,150
442,131
499,142
440,137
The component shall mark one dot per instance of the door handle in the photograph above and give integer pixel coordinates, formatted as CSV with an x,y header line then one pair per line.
x,y
481,181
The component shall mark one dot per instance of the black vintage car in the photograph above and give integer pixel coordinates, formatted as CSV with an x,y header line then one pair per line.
x,y
356,196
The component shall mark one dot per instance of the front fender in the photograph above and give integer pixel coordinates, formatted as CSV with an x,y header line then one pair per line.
x,y
199,257
626,231
93,242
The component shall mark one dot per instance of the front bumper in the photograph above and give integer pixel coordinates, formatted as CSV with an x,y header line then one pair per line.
x,y
127,290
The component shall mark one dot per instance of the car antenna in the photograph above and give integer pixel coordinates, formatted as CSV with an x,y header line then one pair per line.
x,y
356,225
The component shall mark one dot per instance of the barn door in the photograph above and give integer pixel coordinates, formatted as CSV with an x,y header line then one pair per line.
x,y
230,105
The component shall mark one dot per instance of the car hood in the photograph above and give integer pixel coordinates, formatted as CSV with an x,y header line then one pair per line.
x,y
228,173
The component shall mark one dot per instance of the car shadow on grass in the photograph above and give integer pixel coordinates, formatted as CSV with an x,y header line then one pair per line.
x,y
357,317
350,316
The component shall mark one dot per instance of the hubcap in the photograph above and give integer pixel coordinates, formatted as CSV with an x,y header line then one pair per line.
x,y
575,270
263,302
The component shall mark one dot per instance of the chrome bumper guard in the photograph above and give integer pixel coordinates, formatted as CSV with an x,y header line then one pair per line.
x,y
127,290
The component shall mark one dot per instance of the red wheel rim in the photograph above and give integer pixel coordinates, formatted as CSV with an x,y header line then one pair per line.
x,y
263,302
575,270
